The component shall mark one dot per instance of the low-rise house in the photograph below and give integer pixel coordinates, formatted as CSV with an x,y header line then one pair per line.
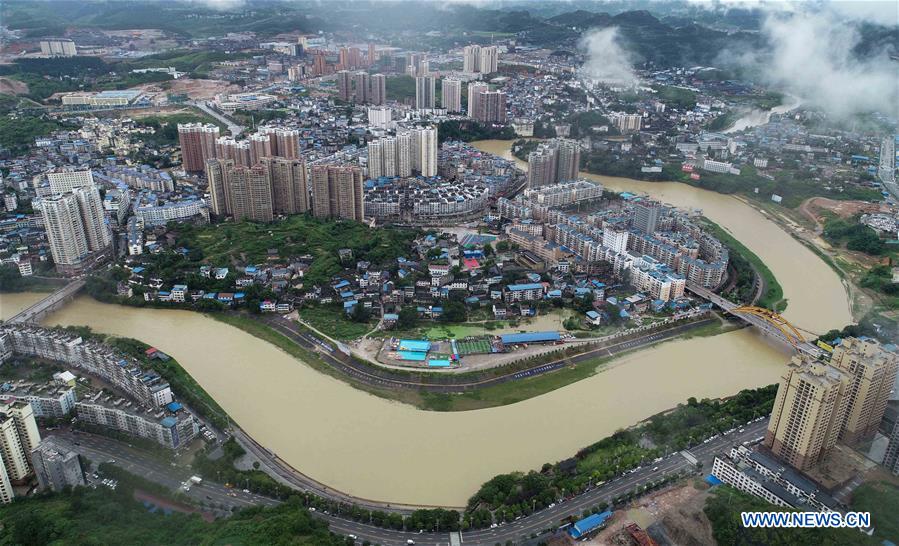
x,y
179,293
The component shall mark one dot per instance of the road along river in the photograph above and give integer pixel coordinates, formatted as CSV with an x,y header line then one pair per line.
x,y
382,450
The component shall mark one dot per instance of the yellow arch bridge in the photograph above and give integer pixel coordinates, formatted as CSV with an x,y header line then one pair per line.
x,y
766,320
790,332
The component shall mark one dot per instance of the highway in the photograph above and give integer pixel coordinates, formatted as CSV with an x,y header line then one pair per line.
x,y
100,449
233,126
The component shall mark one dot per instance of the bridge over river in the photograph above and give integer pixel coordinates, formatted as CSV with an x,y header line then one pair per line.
x,y
769,322
37,311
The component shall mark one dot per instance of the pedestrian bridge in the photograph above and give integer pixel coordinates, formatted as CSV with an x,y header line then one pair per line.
x,y
769,322
36,311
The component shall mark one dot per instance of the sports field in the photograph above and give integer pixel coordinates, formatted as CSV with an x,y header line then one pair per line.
x,y
477,346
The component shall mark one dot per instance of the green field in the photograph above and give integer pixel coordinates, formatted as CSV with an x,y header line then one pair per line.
x,y
334,322
882,500
478,346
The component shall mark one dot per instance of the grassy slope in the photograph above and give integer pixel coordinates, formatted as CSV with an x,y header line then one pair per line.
x,y
773,297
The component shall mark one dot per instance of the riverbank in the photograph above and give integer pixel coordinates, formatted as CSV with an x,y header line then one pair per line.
x,y
358,443
466,391
772,293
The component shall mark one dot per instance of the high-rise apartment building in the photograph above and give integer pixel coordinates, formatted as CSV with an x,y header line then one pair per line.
x,y
810,403
414,63
380,117
404,151
819,403
541,168
355,58
238,151
471,59
55,466
90,205
217,175
6,491
239,191
260,145
478,59
872,372
362,87
425,145
569,161
337,192
554,161
250,193
282,142
425,92
489,62
382,157
646,216
378,89
22,415
11,450
474,94
490,107
891,457
197,142
18,436
290,192
76,228
65,232
65,180
628,123
451,95
344,85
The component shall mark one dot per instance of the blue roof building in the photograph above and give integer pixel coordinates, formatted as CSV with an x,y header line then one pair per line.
x,y
529,286
530,337
589,524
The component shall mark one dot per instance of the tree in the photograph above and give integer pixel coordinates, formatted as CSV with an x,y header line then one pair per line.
x,y
454,311
360,313
408,318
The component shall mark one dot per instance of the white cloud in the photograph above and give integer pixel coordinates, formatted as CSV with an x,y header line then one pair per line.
x,y
811,57
221,5
607,61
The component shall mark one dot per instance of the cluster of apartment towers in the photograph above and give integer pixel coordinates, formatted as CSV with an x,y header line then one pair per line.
x,y
819,403
24,454
73,216
484,105
262,176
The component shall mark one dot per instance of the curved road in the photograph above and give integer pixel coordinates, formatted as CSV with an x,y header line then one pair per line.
x,y
544,521
386,378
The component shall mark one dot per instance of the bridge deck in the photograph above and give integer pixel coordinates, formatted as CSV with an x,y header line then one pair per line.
x,y
36,310
763,325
